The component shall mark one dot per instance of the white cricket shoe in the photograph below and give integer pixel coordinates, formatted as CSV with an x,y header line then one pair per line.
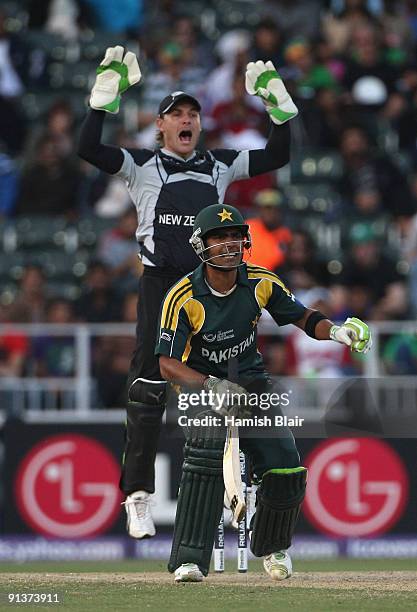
x,y
139,519
278,565
188,572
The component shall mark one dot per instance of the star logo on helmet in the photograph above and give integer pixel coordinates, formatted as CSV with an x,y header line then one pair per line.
x,y
225,215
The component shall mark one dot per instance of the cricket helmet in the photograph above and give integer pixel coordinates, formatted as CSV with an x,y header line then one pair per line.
x,y
216,217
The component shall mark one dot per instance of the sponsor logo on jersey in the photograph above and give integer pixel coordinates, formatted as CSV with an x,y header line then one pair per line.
x,y
232,351
170,219
219,336
166,336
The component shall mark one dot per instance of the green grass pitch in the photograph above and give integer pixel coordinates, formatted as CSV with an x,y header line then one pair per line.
x,y
325,586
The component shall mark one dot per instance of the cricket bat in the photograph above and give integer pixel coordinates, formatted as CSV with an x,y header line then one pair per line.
x,y
231,460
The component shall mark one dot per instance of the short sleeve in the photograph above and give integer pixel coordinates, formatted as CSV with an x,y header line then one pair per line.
x,y
273,295
173,338
237,162
283,306
128,168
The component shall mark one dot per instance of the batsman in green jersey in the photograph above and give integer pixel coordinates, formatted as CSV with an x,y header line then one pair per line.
x,y
207,318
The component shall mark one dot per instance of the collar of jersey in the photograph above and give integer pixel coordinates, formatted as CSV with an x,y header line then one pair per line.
x,y
178,157
200,287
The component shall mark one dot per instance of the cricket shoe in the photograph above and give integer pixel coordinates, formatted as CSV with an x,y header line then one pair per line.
x,y
188,572
139,519
278,565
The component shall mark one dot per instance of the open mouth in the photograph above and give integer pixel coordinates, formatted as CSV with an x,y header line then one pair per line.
x,y
185,136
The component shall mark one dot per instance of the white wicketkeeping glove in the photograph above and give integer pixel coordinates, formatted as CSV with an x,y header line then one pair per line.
x,y
114,75
264,81
354,333
230,399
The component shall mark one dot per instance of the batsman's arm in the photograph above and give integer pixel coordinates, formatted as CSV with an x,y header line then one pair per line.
x,y
179,373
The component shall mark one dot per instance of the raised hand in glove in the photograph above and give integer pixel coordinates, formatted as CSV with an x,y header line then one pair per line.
x,y
229,399
116,73
354,333
264,81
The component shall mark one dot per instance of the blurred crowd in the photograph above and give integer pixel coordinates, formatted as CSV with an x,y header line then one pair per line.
x,y
351,67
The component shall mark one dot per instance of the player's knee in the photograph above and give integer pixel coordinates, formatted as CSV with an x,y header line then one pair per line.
x,y
147,392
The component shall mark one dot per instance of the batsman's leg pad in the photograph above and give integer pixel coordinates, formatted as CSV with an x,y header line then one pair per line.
x,y
278,502
200,503
143,426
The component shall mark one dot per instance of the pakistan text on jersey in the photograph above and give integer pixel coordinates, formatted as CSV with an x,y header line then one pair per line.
x,y
170,219
232,351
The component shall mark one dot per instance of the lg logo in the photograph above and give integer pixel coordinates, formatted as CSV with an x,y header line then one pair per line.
x,y
356,487
67,487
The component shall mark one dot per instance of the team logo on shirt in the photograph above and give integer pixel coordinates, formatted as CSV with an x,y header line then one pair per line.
x,y
232,351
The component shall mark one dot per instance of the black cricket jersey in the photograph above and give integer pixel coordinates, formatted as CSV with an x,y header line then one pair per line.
x,y
204,330
169,192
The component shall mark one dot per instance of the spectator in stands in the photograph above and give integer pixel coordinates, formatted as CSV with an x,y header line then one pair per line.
x,y
113,359
325,120
366,169
9,182
49,186
338,28
294,17
302,67
373,282
237,123
233,50
397,32
400,114
304,358
197,51
267,42
411,12
399,355
366,203
118,249
13,62
370,78
32,295
14,345
270,237
302,269
117,17
59,126
98,303
409,251
55,355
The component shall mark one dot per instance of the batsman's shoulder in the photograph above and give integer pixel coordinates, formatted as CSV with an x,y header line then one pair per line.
x,y
259,273
183,284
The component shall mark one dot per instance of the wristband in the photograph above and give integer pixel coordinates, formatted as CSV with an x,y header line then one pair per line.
x,y
310,326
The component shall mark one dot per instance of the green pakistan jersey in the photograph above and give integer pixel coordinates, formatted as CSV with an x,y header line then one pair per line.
x,y
204,331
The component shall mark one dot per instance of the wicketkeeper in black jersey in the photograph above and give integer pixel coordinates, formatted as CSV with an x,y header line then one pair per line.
x,y
169,186
207,318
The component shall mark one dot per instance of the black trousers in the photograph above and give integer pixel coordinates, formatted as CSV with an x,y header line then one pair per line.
x,y
142,432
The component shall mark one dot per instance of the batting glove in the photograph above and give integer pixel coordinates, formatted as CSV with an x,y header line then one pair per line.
x,y
354,333
264,81
229,399
114,75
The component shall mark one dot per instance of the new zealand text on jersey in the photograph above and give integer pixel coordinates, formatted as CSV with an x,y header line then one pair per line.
x,y
232,351
170,219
